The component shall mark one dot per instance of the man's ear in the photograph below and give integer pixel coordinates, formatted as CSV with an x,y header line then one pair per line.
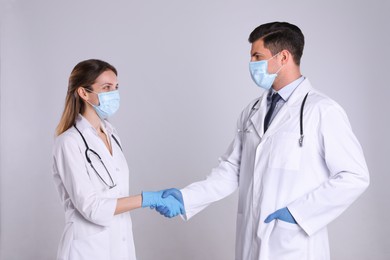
x,y
285,56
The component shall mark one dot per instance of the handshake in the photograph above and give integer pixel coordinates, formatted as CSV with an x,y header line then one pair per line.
x,y
167,202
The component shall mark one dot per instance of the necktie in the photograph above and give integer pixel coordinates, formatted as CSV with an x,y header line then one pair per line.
x,y
275,98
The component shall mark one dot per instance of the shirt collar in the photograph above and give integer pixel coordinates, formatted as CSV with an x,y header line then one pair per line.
x,y
287,90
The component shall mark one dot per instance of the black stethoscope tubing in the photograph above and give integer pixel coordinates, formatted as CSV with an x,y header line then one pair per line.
x,y
98,156
301,120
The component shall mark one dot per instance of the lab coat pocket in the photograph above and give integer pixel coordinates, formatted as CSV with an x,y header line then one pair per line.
x,y
285,151
287,241
96,246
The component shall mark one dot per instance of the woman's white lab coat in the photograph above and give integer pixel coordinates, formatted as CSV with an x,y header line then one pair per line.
x,y
317,182
91,229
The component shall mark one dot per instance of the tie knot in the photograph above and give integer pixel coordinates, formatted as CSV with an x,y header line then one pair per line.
x,y
276,97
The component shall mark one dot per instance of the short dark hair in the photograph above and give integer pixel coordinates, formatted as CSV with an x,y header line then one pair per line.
x,y
278,36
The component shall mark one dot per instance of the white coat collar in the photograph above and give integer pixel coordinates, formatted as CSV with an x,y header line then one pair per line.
x,y
83,124
299,93
283,115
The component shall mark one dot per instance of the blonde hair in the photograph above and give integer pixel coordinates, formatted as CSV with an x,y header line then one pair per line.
x,y
84,75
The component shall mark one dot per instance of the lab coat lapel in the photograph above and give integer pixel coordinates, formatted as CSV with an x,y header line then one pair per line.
x,y
284,115
257,118
279,120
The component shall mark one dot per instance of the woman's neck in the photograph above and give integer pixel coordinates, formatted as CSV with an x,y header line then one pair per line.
x,y
92,118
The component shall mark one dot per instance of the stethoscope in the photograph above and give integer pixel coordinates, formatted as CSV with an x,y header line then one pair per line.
x,y
300,140
87,156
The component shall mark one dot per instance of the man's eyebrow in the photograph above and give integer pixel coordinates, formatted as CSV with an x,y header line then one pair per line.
x,y
257,54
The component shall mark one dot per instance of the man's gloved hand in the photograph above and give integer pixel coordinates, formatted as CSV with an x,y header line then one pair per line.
x,y
154,199
282,214
171,193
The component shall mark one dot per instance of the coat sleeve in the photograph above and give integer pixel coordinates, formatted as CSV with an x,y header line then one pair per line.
x,y
70,166
348,174
222,181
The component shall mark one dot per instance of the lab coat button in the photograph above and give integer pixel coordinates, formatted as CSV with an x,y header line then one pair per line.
x,y
124,239
117,169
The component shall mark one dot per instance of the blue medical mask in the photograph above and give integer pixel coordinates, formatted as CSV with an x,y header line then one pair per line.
x,y
108,103
260,75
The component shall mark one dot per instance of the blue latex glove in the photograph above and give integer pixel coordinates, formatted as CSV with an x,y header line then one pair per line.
x,y
282,214
151,198
154,200
175,193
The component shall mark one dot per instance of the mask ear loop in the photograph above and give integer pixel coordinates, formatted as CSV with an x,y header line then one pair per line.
x,y
92,104
90,91
274,57
279,69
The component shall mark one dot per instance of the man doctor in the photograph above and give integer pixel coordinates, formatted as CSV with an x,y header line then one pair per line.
x,y
291,184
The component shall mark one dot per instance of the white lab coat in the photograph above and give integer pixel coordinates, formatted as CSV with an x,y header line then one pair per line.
x,y
91,229
317,182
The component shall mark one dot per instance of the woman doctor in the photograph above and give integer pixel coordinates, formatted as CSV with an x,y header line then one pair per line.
x,y
91,173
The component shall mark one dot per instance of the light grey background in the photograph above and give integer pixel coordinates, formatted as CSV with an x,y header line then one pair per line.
x,y
183,72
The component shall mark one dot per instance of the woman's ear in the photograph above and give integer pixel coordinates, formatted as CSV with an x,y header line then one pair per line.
x,y
82,93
